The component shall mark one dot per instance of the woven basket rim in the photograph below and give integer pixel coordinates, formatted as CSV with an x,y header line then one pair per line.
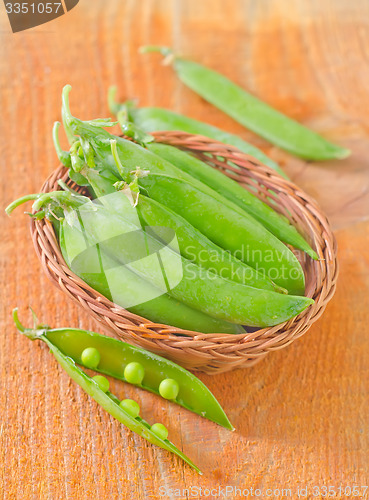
x,y
263,340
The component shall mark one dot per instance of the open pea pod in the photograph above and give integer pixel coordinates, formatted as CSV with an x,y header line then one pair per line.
x,y
56,342
115,355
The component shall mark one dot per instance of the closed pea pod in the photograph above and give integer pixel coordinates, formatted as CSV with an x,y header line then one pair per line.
x,y
231,190
240,234
137,295
191,284
188,199
96,143
161,309
196,247
244,237
196,291
251,112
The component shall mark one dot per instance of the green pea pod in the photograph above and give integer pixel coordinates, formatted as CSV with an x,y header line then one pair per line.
x,y
122,286
158,119
105,399
251,112
231,190
131,155
180,278
197,248
193,244
244,237
115,355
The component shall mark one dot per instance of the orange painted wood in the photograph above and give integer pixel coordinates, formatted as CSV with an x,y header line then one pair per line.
x,y
301,415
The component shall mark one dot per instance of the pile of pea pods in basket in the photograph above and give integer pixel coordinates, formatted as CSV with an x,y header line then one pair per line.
x,y
164,235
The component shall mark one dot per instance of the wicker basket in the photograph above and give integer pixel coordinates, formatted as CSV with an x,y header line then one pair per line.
x,y
210,353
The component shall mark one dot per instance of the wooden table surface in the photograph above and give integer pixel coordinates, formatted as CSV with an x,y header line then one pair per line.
x,y
301,414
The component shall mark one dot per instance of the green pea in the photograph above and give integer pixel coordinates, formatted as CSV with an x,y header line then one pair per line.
x,y
160,430
169,388
131,407
90,357
102,382
134,373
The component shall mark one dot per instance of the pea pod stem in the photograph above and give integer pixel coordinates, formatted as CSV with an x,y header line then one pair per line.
x,y
130,129
63,156
66,114
46,204
19,201
251,112
113,104
106,400
69,119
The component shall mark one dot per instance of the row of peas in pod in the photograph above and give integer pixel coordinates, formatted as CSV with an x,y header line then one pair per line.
x,y
108,356
167,237
133,373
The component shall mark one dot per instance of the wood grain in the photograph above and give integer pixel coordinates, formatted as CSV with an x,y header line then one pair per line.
x,y
302,413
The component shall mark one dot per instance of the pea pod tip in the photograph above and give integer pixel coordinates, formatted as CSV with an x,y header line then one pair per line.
x,y
312,254
344,153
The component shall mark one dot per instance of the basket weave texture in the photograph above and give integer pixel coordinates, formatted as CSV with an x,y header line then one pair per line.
x,y
210,353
